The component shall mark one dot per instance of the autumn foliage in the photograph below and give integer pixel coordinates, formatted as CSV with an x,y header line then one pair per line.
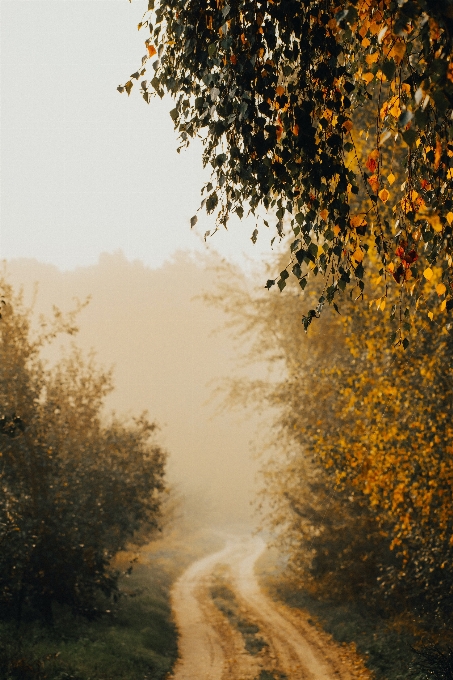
x,y
284,93
359,487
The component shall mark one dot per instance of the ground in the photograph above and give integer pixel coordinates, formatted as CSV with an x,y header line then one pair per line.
x,y
231,629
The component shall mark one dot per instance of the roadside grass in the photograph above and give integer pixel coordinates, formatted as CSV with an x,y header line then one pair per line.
x,y
384,643
135,639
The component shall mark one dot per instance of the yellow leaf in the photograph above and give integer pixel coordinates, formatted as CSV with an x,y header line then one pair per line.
x,y
151,50
431,315
428,274
391,267
441,288
371,58
336,230
450,217
443,304
365,43
373,181
347,125
358,255
384,195
357,221
435,223
368,77
397,52
382,305
391,178
280,90
324,214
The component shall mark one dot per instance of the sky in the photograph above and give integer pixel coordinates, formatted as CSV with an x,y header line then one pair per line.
x,y
85,169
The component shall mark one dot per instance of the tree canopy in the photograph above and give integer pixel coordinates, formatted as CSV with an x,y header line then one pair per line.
x,y
334,116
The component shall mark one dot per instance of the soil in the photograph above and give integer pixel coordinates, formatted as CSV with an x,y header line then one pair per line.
x,y
211,647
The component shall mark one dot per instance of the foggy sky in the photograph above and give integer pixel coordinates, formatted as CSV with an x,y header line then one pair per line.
x,y
84,169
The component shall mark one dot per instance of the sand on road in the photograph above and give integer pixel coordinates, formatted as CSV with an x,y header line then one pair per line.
x,y
211,649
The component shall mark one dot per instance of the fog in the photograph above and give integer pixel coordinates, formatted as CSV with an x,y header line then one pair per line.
x,y
169,350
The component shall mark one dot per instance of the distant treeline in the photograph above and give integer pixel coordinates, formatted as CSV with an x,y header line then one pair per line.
x,y
74,486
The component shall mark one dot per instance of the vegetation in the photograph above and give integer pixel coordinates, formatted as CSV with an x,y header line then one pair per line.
x,y
74,492
358,490
136,639
335,116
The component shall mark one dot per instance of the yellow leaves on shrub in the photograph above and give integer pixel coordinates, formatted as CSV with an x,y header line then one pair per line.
x,y
428,274
384,195
324,214
372,58
380,304
412,201
372,160
357,221
336,230
450,217
366,43
441,288
443,305
397,52
435,223
391,178
368,77
431,315
358,255
279,90
373,181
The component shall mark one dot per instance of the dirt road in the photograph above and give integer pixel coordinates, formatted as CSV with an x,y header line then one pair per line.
x,y
231,630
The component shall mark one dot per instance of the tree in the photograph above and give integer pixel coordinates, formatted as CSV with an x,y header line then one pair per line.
x,y
362,482
279,92
75,488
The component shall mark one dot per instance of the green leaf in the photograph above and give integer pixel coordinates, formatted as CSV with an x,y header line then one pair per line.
x,y
410,137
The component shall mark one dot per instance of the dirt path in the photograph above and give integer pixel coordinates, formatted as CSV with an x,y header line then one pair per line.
x,y
211,644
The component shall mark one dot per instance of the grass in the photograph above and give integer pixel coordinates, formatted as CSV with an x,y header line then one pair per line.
x,y
135,640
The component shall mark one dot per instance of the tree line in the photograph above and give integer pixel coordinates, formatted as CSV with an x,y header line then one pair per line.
x,y
359,486
76,485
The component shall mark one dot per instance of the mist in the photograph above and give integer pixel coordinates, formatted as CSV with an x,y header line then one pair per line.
x,y
169,350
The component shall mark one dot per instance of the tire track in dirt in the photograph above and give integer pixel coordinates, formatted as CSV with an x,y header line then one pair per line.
x,y
212,649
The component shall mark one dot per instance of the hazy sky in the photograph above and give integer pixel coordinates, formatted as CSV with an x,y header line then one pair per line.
x,y
85,170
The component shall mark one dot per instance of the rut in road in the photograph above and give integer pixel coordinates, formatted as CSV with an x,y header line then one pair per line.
x,y
210,648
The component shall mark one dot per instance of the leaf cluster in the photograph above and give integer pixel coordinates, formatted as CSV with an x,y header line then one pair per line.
x,y
277,91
